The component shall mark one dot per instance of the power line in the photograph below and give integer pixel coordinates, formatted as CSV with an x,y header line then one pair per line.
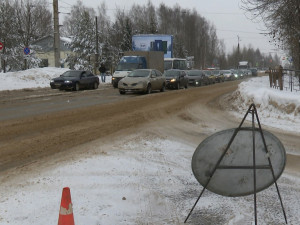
x,y
240,31
66,3
221,13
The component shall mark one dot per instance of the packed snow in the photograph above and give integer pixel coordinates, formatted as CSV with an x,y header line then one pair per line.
x,y
276,108
32,78
145,179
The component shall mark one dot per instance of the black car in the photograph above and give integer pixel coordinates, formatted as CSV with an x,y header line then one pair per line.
x,y
176,79
75,80
253,72
197,78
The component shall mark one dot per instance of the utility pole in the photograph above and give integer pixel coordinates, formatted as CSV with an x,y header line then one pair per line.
x,y
97,48
238,50
56,34
238,44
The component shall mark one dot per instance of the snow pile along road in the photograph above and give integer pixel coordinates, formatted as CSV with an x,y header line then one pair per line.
x,y
279,109
37,77
32,78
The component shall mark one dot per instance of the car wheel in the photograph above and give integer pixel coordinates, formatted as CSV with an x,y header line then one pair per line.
x,y
149,89
163,88
122,92
178,86
186,86
95,85
76,88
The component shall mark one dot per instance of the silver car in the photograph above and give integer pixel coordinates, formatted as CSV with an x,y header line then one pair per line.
x,y
142,80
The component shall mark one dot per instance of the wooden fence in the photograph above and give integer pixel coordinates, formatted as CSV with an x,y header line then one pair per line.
x,y
276,77
279,76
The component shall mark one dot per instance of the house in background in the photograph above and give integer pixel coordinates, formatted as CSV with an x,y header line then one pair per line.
x,y
44,50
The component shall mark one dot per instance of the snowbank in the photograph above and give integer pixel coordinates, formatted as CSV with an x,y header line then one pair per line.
x,y
279,109
32,78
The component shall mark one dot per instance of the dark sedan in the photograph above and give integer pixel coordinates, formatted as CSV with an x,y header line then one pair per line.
x,y
197,78
176,79
75,80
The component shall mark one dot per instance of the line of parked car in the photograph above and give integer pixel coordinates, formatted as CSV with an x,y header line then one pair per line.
x,y
147,80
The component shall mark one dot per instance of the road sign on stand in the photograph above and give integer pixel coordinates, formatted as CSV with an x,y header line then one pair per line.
x,y
1,46
26,51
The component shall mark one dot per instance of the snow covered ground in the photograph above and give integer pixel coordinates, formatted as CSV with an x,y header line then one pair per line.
x,y
145,179
279,109
32,78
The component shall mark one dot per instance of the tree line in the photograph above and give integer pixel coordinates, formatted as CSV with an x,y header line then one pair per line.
x,y
193,34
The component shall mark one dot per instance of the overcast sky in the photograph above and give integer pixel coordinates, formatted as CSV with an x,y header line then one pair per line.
x,y
230,21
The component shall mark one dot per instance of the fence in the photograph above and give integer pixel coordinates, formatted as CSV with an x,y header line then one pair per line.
x,y
284,78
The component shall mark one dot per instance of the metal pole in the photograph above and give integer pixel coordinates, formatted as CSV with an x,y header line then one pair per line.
x,y
97,48
270,164
254,167
218,163
56,34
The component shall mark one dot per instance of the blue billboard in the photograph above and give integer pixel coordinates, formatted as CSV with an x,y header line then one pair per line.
x,y
153,42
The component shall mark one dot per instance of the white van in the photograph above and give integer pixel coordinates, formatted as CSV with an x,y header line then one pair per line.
x,y
175,63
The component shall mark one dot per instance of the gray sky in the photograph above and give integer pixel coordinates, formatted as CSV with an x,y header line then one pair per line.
x,y
227,17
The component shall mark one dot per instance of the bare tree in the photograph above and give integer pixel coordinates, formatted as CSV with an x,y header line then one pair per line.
x,y
282,19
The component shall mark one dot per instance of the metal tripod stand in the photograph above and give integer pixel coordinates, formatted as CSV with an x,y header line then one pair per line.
x,y
252,110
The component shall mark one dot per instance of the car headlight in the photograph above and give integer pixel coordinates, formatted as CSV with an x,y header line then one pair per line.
x,y
196,82
236,75
173,80
52,81
68,81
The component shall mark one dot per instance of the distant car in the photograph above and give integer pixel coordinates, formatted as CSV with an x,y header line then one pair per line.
x,y
197,78
211,77
253,71
142,80
176,79
228,75
219,76
239,73
75,80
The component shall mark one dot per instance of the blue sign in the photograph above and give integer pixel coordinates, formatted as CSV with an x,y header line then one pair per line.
x,y
26,51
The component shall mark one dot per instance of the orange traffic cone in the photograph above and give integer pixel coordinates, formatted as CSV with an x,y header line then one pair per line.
x,y
66,209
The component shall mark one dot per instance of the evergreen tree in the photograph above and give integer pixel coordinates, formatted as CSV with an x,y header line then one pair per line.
x,y
82,31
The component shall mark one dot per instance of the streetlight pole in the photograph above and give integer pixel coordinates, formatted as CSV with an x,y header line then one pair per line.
x,y
56,34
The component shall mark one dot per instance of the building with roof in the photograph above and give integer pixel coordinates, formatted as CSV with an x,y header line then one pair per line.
x,y
44,50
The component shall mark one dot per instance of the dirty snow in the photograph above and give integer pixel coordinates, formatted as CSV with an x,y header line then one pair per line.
x,y
143,180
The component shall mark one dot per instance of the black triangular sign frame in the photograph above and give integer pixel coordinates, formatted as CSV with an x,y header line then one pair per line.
x,y
252,110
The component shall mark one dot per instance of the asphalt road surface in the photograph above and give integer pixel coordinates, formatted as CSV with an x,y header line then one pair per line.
x,y
38,123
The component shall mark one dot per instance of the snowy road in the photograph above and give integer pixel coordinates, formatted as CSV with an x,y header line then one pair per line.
x,y
130,164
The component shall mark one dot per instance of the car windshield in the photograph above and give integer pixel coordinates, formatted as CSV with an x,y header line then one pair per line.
x,y
207,72
171,73
167,65
215,72
139,73
128,66
194,73
226,72
71,74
